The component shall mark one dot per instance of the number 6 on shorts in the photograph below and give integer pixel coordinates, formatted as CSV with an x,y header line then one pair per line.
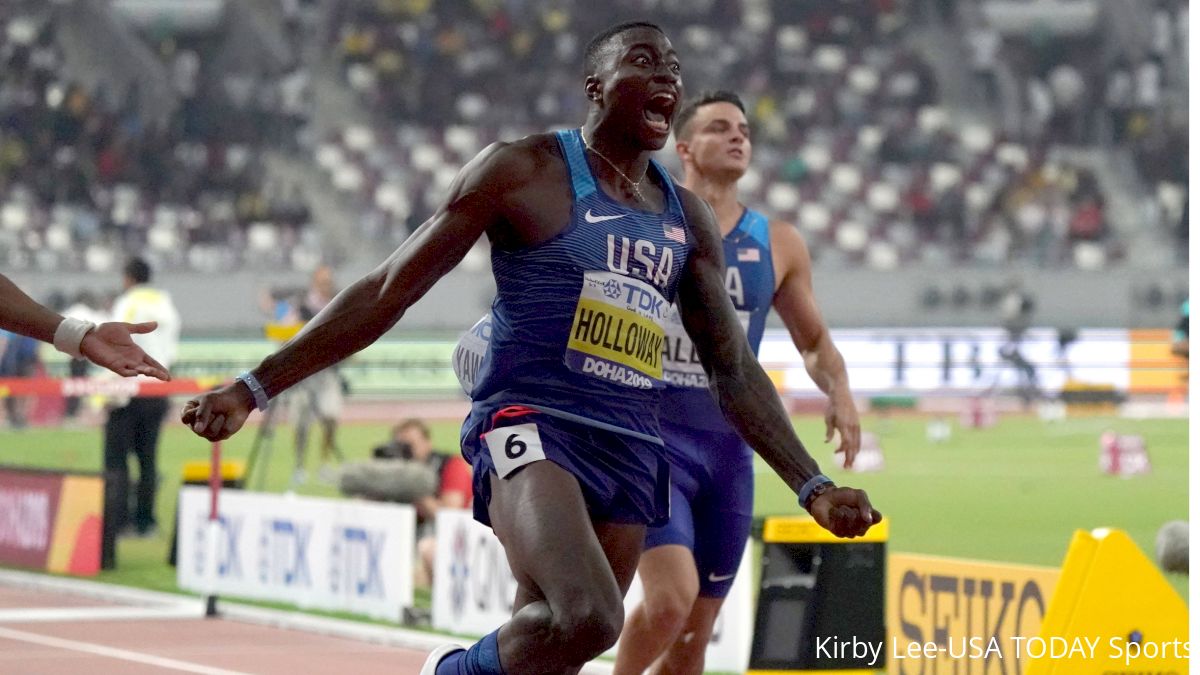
x,y
514,447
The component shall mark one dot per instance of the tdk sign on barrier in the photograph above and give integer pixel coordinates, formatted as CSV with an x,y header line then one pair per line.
x,y
354,556
346,556
283,555
228,559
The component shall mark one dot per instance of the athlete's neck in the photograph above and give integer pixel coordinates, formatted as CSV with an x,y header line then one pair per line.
x,y
613,145
721,195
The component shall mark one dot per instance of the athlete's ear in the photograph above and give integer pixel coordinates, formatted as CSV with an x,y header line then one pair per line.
x,y
594,88
682,149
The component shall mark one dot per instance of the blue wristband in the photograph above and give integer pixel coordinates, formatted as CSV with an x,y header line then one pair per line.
x,y
811,484
256,390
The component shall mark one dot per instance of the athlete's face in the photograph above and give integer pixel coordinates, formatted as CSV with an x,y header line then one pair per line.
x,y
640,86
717,140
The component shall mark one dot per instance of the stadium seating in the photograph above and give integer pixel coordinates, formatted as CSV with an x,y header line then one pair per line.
x,y
853,141
859,141
84,177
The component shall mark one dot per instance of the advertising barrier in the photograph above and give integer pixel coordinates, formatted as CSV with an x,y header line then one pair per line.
x,y
878,361
948,616
51,521
331,554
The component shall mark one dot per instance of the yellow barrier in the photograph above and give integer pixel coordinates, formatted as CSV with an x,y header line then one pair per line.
x,y
197,472
1113,613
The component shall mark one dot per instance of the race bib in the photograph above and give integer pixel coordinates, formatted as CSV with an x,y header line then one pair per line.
x,y
681,363
514,447
617,333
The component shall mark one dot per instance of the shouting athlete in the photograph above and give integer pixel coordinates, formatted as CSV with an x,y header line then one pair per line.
x,y
591,243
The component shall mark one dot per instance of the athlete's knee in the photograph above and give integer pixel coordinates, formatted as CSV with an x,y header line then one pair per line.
x,y
668,605
589,627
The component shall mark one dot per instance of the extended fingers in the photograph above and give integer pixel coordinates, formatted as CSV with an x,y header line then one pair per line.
x,y
153,368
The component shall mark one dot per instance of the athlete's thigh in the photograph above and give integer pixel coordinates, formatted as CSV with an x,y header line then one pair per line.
x,y
616,540
680,528
555,552
723,515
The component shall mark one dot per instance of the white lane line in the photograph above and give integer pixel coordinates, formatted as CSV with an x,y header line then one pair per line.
x,y
43,614
112,653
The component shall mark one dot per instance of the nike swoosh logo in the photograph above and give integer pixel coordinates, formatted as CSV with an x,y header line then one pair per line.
x,y
718,579
599,219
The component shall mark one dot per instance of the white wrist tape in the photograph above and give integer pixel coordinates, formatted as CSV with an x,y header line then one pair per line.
x,y
69,335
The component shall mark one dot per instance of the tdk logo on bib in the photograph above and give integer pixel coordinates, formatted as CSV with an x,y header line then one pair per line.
x,y
617,332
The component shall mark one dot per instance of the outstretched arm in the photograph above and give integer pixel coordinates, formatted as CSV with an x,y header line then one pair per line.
x,y
108,345
744,392
21,314
797,306
366,309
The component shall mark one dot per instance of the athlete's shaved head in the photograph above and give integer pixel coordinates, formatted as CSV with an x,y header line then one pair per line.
x,y
682,128
599,45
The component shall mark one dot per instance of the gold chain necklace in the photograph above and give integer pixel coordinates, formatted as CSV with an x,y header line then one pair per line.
x,y
636,184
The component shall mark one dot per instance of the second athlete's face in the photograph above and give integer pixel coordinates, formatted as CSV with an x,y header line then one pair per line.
x,y
643,86
719,140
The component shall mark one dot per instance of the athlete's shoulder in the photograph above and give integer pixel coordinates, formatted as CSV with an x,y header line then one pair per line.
x,y
785,234
788,248
520,160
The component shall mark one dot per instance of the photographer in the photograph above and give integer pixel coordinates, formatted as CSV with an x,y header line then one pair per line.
x,y
411,443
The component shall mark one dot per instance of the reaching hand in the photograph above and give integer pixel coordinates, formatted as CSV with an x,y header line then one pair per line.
x,y
110,345
218,414
841,415
844,511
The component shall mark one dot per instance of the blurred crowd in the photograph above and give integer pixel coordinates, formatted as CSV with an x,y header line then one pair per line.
x,y
85,177
855,139
852,141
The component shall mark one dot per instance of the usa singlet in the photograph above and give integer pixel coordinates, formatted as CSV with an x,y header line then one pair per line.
x,y
750,282
579,321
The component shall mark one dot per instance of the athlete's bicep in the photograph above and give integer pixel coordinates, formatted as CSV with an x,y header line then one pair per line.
x,y
704,306
794,299
473,205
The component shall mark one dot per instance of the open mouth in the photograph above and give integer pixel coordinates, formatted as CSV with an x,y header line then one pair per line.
x,y
659,110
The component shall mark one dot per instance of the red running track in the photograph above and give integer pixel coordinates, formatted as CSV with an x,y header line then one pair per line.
x,y
46,633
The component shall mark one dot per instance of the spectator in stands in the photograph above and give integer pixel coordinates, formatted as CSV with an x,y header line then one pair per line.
x,y
1118,98
985,42
133,424
453,490
1147,89
1068,89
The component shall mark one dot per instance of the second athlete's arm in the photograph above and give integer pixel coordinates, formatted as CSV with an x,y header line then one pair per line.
x,y
797,306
